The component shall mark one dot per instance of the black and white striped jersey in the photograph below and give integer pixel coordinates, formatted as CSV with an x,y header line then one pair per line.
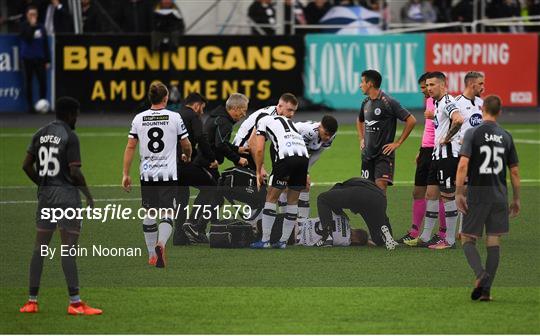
x,y
285,138
471,111
309,130
158,132
444,108
242,136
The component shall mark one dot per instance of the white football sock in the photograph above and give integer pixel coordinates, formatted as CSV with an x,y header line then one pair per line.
x,y
164,232
282,202
432,212
150,235
303,204
289,222
268,219
450,209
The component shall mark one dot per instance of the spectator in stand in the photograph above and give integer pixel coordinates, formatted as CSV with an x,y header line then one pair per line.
x,y
57,18
35,55
134,16
90,17
531,8
463,11
168,25
443,10
299,17
498,9
262,12
418,11
315,11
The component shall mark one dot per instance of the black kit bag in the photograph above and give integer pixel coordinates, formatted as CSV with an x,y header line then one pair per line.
x,y
231,234
239,184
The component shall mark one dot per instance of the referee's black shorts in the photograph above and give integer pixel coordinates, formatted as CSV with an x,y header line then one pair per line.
x,y
423,163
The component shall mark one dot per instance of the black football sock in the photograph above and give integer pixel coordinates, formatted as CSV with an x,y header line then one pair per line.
x,y
36,268
473,258
492,262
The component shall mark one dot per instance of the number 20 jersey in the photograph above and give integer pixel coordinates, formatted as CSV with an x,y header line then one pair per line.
x,y
158,132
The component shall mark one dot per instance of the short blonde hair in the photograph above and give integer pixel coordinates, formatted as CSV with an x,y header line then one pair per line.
x,y
236,100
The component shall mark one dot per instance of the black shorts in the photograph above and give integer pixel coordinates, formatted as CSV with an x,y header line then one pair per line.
x,y
62,203
69,222
443,173
494,216
380,167
290,172
423,163
159,194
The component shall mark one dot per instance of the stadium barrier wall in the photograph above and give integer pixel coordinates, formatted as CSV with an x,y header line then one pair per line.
x,y
112,73
510,64
12,93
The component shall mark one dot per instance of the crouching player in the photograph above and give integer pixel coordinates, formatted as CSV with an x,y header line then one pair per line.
x,y
362,197
318,136
311,233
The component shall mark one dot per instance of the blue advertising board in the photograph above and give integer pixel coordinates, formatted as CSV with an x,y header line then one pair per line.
x,y
12,92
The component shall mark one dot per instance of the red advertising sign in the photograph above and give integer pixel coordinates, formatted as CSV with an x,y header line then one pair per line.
x,y
509,61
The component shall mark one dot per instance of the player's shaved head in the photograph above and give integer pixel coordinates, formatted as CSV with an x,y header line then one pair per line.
x,y
289,98
67,109
471,76
492,105
157,93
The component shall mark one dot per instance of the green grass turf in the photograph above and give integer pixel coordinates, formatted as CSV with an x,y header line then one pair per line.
x,y
298,290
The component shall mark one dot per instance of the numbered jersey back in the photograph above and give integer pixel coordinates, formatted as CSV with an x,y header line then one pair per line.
x,y
158,132
55,148
286,139
491,150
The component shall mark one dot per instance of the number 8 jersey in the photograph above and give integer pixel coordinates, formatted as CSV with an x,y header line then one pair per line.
x,y
158,132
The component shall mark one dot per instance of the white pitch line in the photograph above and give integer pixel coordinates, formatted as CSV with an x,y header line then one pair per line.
x,y
418,135
313,183
95,200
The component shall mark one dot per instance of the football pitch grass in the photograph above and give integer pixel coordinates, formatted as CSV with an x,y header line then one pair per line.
x,y
297,290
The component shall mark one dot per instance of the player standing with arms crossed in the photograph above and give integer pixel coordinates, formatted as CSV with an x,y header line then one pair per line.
x,y
159,131
423,162
486,152
470,103
55,151
376,126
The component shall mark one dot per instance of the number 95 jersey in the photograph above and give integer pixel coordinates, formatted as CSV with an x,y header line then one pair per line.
x,y
55,148
158,132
